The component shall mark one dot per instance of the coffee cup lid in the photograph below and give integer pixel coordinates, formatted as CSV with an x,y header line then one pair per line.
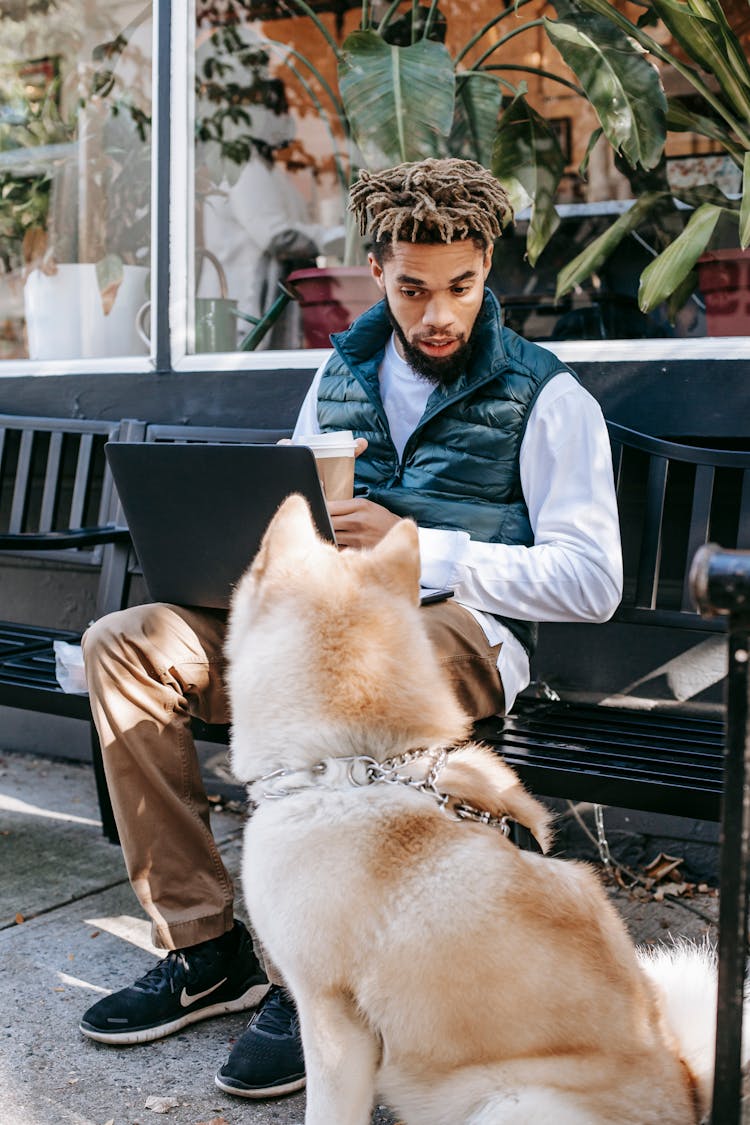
x,y
332,444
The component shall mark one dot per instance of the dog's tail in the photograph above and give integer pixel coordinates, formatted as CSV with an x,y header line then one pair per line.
x,y
685,977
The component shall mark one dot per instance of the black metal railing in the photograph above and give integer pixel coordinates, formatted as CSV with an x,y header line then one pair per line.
x,y
720,584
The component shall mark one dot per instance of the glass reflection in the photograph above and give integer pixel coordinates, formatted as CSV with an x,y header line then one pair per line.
x,y
75,134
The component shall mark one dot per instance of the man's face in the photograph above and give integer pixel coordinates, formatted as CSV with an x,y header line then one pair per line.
x,y
434,293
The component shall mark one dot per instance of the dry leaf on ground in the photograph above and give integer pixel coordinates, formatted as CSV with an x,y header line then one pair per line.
x,y
159,1104
675,889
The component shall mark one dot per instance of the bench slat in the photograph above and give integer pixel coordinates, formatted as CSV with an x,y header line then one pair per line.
x,y
583,756
661,762
51,482
700,524
647,583
81,481
21,488
743,530
582,731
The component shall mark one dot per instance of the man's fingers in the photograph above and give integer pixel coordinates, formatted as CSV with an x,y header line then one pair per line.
x,y
346,507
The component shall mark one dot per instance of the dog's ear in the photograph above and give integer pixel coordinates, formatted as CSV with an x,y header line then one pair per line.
x,y
290,534
395,560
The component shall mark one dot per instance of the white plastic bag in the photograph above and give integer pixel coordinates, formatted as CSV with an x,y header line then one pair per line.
x,y
69,671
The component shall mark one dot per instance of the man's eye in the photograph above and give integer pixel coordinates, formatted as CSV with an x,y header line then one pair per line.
x,y
459,290
410,292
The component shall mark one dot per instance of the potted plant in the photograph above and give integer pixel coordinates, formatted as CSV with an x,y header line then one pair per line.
x,y
718,72
25,125
402,96
80,196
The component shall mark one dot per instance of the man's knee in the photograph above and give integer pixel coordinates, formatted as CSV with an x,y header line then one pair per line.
x,y
467,657
108,633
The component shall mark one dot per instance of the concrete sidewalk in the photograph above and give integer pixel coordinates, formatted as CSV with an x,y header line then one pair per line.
x,y
71,930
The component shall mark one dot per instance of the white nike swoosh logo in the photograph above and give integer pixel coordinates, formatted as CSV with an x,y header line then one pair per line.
x,y
186,999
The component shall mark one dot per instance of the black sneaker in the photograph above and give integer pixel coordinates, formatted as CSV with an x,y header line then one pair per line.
x,y
210,979
266,1061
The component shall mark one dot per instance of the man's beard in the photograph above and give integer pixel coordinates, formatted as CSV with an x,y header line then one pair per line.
x,y
441,371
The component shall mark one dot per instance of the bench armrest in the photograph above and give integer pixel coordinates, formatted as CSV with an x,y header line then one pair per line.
x,y
55,540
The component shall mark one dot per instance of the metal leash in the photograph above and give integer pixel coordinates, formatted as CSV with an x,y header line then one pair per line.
x,y
601,839
363,770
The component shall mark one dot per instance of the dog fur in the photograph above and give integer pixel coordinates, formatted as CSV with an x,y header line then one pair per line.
x,y
434,964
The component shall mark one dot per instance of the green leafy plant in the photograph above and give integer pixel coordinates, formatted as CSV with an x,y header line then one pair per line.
x,y
719,74
116,171
57,142
235,97
24,188
402,95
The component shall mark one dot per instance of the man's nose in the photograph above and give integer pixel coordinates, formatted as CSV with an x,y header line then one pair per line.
x,y
438,312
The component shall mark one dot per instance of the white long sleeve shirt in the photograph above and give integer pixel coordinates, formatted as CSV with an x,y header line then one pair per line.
x,y
573,570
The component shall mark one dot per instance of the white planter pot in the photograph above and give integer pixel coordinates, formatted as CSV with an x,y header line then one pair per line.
x,y
65,318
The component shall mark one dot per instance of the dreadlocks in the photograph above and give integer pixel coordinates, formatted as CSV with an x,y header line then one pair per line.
x,y
431,201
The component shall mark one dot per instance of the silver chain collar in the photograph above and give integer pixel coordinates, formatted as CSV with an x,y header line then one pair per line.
x,y
363,770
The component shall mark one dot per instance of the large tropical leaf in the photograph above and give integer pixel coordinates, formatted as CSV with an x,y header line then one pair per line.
x,y
745,205
712,9
681,295
668,272
583,167
600,249
621,83
705,193
682,119
707,43
399,100
528,162
109,275
478,102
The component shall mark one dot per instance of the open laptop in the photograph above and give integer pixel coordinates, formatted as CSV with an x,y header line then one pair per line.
x,y
197,512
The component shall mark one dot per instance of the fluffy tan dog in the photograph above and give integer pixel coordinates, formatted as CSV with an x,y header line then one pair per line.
x,y
434,964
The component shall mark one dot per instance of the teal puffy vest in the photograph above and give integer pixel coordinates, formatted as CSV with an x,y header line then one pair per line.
x,y
460,468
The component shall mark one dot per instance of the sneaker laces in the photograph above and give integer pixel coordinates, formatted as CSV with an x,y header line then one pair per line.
x,y
169,966
178,969
277,1012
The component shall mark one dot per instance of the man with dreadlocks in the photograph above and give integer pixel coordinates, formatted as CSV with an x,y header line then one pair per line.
x,y
486,440
500,456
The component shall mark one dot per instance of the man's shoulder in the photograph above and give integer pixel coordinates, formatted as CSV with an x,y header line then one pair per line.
x,y
531,357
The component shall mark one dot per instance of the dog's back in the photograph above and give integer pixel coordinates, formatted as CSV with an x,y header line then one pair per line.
x,y
467,981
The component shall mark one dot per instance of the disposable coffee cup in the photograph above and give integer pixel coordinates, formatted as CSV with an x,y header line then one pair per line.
x,y
334,457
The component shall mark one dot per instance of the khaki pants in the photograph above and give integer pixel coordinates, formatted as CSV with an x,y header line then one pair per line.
x,y
149,670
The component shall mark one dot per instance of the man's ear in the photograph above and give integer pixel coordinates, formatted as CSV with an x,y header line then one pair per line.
x,y
377,271
487,264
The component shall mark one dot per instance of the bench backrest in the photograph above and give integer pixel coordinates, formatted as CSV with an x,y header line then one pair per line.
x,y
54,477
672,499
213,434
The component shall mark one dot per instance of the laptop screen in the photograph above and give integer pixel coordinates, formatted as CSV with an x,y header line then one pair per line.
x,y
197,512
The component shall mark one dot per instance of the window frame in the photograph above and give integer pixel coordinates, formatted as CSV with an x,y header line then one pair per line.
x,y
172,251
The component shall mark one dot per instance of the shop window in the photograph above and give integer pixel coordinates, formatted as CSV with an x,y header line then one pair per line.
x,y
273,162
269,173
75,182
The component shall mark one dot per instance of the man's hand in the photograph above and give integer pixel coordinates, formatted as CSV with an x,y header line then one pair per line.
x,y
360,522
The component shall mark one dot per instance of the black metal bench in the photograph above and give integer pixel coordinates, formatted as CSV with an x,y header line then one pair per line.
x,y
568,742
57,497
720,583
615,748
